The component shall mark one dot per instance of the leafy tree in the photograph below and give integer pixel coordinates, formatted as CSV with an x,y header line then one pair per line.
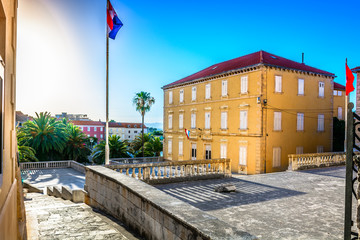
x,y
118,149
338,135
46,136
136,146
26,153
143,102
154,146
76,148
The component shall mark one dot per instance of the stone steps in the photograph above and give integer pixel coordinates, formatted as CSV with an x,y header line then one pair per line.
x,y
64,192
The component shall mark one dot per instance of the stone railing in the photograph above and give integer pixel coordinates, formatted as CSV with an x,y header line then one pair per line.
x,y
53,164
176,171
115,161
152,213
315,160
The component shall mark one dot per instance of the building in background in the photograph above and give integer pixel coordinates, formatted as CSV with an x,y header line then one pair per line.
x,y
126,131
92,128
339,101
254,109
72,117
12,211
21,118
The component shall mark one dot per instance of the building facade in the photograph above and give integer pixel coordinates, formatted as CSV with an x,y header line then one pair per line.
x,y
92,128
126,131
12,211
339,101
254,109
72,117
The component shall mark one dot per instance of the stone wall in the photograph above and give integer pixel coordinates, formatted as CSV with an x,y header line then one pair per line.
x,y
151,212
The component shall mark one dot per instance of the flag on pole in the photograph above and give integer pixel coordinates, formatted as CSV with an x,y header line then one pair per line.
x,y
113,22
187,132
349,80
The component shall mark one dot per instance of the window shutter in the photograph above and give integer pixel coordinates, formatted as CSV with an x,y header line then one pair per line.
x,y
169,146
193,120
300,86
181,121
243,120
224,88
339,113
170,122
223,120
321,89
223,150
180,148
300,150
320,122
278,84
207,120
300,122
277,121
207,91
276,157
244,85
170,97
242,155
193,94
181,97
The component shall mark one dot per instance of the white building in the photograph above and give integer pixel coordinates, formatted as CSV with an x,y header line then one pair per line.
x,y
126,131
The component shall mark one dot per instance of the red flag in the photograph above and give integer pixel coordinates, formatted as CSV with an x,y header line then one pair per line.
x,y
349,80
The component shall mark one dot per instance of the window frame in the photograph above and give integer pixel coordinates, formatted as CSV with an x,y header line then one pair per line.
x,y
170,121
193,120
321,123
181,96
321,89
223,120
244,120
244,85
277,121
301,86
181,120
170,97
208,91
278,84
276,163
193,93
207,120
224,88
300,122
243,161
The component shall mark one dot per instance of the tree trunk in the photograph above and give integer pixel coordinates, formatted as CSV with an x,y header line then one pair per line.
x,y
142,133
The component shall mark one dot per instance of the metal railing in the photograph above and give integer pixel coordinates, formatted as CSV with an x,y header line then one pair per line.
x,y
171,171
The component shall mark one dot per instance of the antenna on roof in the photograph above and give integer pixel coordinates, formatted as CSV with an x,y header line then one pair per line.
x,y
302,58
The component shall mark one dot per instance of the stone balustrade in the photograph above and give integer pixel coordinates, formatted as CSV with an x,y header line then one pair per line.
x,y
115,161
53,164
315,160
176,171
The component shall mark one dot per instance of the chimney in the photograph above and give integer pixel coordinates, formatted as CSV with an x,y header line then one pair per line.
x,y
302,61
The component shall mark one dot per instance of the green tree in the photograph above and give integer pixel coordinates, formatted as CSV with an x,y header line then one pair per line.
x,y
338,135
26,153
143,102
118,149
46,136
154,146
76,148
136,146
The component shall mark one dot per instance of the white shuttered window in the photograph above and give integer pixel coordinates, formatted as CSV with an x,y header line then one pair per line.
x,y
300,86
170,122
193,93
276,157
208,91
193,120
299,150
243,120
223,120
242,155
181,121
224,88
277,121
169,146
170,97
321,89
339,113
223,150
321,122
278,84
207,120
181,96
244,85
300,122
181,151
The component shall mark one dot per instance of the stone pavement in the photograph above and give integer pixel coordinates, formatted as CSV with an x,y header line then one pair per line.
x,y
53,218
285,205
41,178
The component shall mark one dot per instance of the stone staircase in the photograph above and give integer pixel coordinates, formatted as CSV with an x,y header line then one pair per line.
x,y
64,192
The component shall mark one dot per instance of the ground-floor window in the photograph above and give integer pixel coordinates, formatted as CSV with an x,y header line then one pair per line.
x,y
320,149
242,155
299,150
276,157
207,151
193,151
223,150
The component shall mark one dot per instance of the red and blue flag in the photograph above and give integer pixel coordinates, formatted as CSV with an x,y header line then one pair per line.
x,y
187,132
113,22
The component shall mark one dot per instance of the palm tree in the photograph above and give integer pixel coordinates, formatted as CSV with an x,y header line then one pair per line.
x,y
143,102
118,149
76,147
26,153
45,135
154,146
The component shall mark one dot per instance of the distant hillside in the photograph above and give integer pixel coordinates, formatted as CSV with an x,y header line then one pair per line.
x,y
155,125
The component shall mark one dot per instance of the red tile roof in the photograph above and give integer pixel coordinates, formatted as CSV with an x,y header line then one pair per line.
x,y
252,59
125,125
338,86
357,69
86,123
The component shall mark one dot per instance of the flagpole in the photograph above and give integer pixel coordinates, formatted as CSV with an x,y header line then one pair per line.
x,y
107,149
346,108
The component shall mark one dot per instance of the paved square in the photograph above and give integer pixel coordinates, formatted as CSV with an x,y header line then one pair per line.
x,y
285,205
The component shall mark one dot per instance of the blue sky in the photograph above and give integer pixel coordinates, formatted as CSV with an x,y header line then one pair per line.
x,y
61,47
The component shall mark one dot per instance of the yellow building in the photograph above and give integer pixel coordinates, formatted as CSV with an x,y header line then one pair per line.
x,y
12,212
339,101
254,109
